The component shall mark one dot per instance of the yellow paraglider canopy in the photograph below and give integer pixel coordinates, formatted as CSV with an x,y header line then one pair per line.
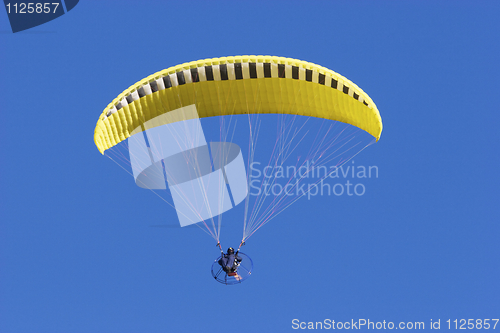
x,y
239,85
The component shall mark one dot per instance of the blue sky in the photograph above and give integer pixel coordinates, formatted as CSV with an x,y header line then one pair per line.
x,y
81,249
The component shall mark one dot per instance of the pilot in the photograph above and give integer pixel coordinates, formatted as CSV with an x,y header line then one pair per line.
x,y
230,261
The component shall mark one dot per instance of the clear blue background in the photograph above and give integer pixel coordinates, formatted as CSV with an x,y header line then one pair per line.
x,y
81,249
